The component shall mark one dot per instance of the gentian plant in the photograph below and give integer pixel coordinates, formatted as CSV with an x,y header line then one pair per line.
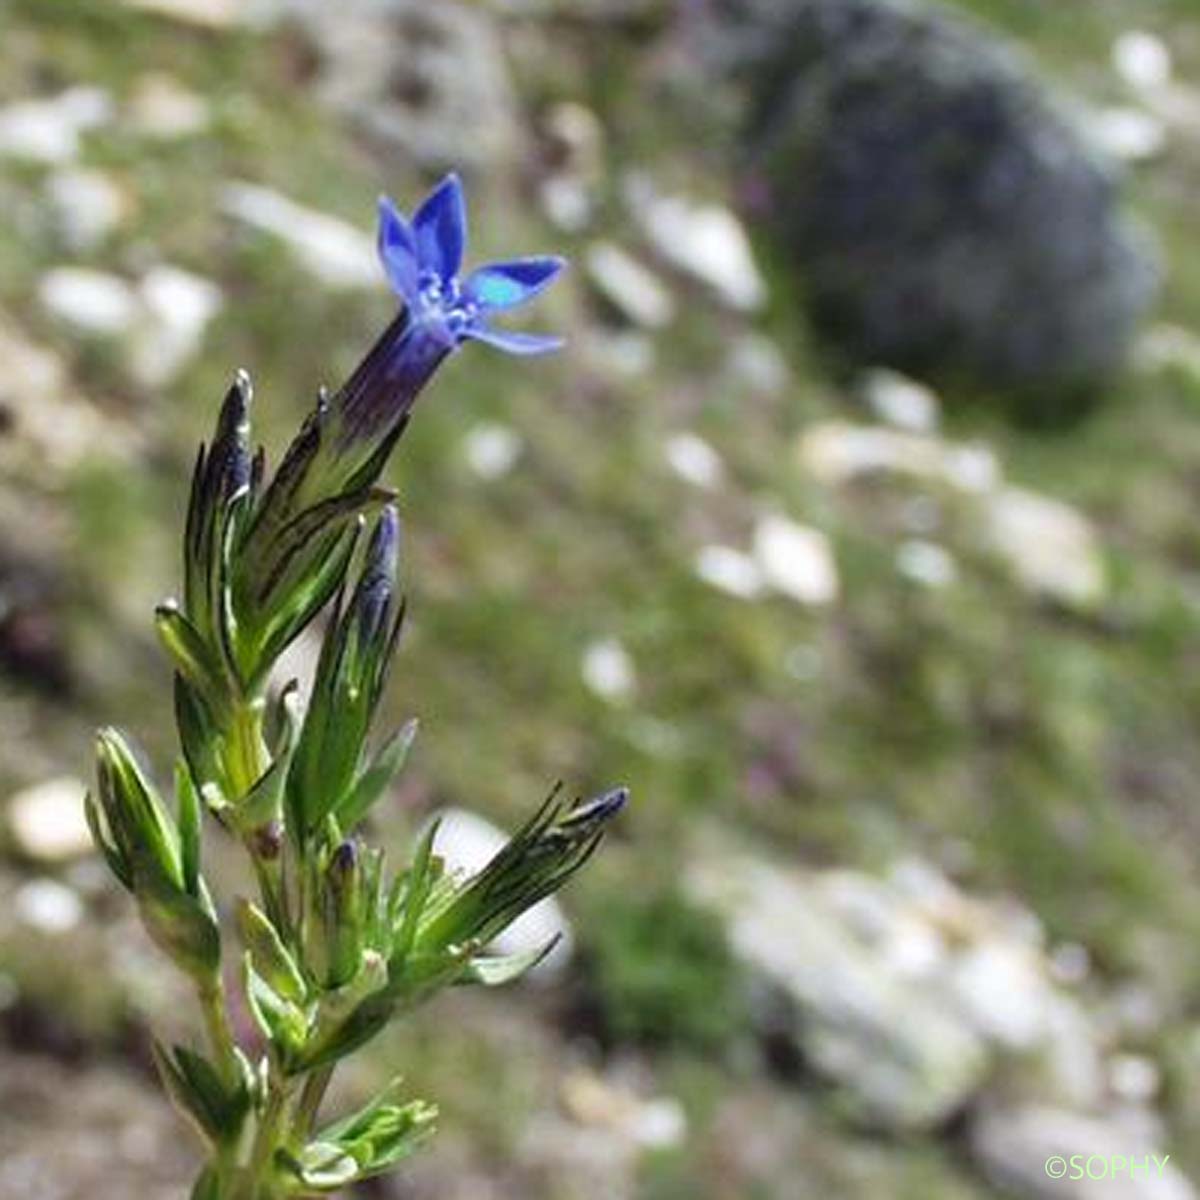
x,y
335,945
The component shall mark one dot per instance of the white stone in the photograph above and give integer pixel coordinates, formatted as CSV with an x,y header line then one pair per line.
x,y
796,560
214,14
1163,346
1070,963
49,419
869,1016
756,363
1142,60
87,205
803,662
1004,994
178,307
47,820
578,134
595,1102
1049,546
693,459
93,302
730,570
1014,1147
49,130
335,252
900,401
467,842
161,107
839,451
702,240
1134,1078
566,202
492,450
47,906
659,1124
1130,134
926,563
631,288
628,353
608,670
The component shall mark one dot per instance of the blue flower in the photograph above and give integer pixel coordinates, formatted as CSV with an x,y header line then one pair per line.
x,y
422,261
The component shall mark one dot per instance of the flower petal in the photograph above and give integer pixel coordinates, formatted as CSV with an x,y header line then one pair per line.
x,y
397,250
440,224
525,344
506,284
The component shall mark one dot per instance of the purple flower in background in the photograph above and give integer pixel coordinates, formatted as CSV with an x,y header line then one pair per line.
x,y
422,259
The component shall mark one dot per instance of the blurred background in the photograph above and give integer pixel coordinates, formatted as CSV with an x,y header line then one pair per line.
x,y
857,530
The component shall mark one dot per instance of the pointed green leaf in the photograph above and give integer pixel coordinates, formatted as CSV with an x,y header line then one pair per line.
x,y
270,956
377,778
189,828
494,971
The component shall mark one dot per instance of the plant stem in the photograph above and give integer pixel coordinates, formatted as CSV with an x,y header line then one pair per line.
x,y
220,1033
309,1104
266,1142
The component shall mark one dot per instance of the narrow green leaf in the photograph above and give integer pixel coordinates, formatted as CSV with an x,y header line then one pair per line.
x,y
187,650
377,778
494,971
189,828
270,956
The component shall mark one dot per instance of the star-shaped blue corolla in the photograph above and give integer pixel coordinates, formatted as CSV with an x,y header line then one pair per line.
x,y
422,259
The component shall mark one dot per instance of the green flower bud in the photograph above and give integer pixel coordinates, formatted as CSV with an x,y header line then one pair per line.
x,y
536,862
155,859
350,676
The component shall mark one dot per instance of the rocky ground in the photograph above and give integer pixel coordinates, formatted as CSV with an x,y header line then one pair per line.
x,y
908,898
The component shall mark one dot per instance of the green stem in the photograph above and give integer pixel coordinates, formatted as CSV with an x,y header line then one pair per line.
x,y
220,1032
255,1184
309,1104
248,757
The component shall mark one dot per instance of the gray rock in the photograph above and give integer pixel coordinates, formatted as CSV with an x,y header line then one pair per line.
x,y
87,204
704,241
944,216
335,252
178,307
848,977
629,286
395,68
1050,547
1048,1152
49,130
161,107
95,303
